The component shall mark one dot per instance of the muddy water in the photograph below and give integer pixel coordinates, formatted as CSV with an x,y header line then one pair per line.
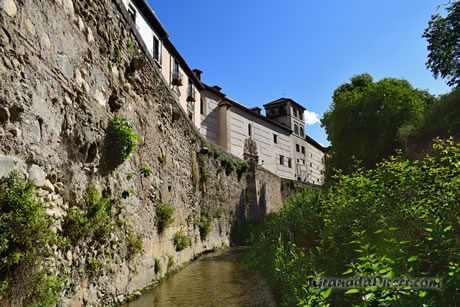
x,y
217,279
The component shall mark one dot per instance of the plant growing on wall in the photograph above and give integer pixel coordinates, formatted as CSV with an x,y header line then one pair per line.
x,y
182,241
120,143
25,240
163,218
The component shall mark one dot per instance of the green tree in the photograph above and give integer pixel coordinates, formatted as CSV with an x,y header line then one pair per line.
x,y
443,36
365,116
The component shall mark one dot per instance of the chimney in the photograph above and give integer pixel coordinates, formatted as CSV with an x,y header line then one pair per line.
x,y
217,88
256,109
197,73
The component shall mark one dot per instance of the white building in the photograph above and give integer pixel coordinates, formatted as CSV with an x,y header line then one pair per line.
x,y
278,141
172,65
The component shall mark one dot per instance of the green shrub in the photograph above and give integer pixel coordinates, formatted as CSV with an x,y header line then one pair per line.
x,y
205,227
162,160
157,266
400,219
241,167
145,170
135,244
25,240
120,143
171,262
90,219
163,218
93,267
182,241
228,164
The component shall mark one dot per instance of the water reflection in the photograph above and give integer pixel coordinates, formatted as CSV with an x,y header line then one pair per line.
x,y
216,279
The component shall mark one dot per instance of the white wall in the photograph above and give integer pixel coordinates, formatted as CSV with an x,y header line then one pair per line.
x,y
262,134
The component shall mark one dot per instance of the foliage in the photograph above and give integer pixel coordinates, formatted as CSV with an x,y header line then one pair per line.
x,y
162,160
163,218
120,142
397,220
130,45
90,219
205,227
444,114
135,244
171,262
157,266
25,240
364,119
443,36
181,240
145,170
93,267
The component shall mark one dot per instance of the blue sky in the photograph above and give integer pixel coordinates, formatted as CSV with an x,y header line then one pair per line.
x,y
259,51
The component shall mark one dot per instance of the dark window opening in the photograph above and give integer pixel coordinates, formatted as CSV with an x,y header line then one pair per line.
x,y
281,160
297,147
301,131
275,139
289,162
132,13
296,129
303,149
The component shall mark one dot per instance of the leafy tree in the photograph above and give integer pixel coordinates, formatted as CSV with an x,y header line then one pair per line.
x,y
365,116
443,35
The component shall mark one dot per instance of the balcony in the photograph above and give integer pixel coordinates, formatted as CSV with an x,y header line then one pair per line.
x,y
176,78
191,94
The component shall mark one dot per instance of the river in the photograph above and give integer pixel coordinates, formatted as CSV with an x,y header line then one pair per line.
x,y
216,279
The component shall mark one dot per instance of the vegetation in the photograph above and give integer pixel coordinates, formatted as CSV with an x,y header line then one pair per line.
x,y
25,242
205,227
362,110
181,240
164,216
444,115
91,219
145,170
135,244
120,143
171,262
157,266
397,220
443,36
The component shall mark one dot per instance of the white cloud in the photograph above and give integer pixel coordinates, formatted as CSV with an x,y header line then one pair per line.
x,y
311,118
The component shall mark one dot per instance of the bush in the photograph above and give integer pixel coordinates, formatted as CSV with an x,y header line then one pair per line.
x,y
163,218
120,143
205,227
90,219
135,244
25,240
182,241
400,219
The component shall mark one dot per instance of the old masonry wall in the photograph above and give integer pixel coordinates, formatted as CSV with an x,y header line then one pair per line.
x,y
67,68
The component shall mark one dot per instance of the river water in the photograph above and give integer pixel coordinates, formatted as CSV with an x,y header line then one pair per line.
x,y
217,279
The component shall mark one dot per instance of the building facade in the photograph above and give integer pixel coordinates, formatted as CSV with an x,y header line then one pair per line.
x,y
174,69
277,141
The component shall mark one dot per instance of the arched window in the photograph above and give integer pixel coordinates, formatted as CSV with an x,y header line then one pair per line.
x,y
296,129
301,131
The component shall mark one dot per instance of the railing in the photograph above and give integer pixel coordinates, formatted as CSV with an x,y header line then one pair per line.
x,y
191,94
176,78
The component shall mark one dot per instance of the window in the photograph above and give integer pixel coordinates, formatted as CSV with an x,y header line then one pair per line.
x,y
156,50
297,147
275,139
132,13
301,115
249,129
303,161
203,106
297,160
303,149
176,66
296,129
310,164
281,159
301,131
289,162
295,112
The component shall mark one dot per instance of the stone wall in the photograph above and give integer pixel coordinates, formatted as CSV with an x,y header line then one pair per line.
x,y
66,69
